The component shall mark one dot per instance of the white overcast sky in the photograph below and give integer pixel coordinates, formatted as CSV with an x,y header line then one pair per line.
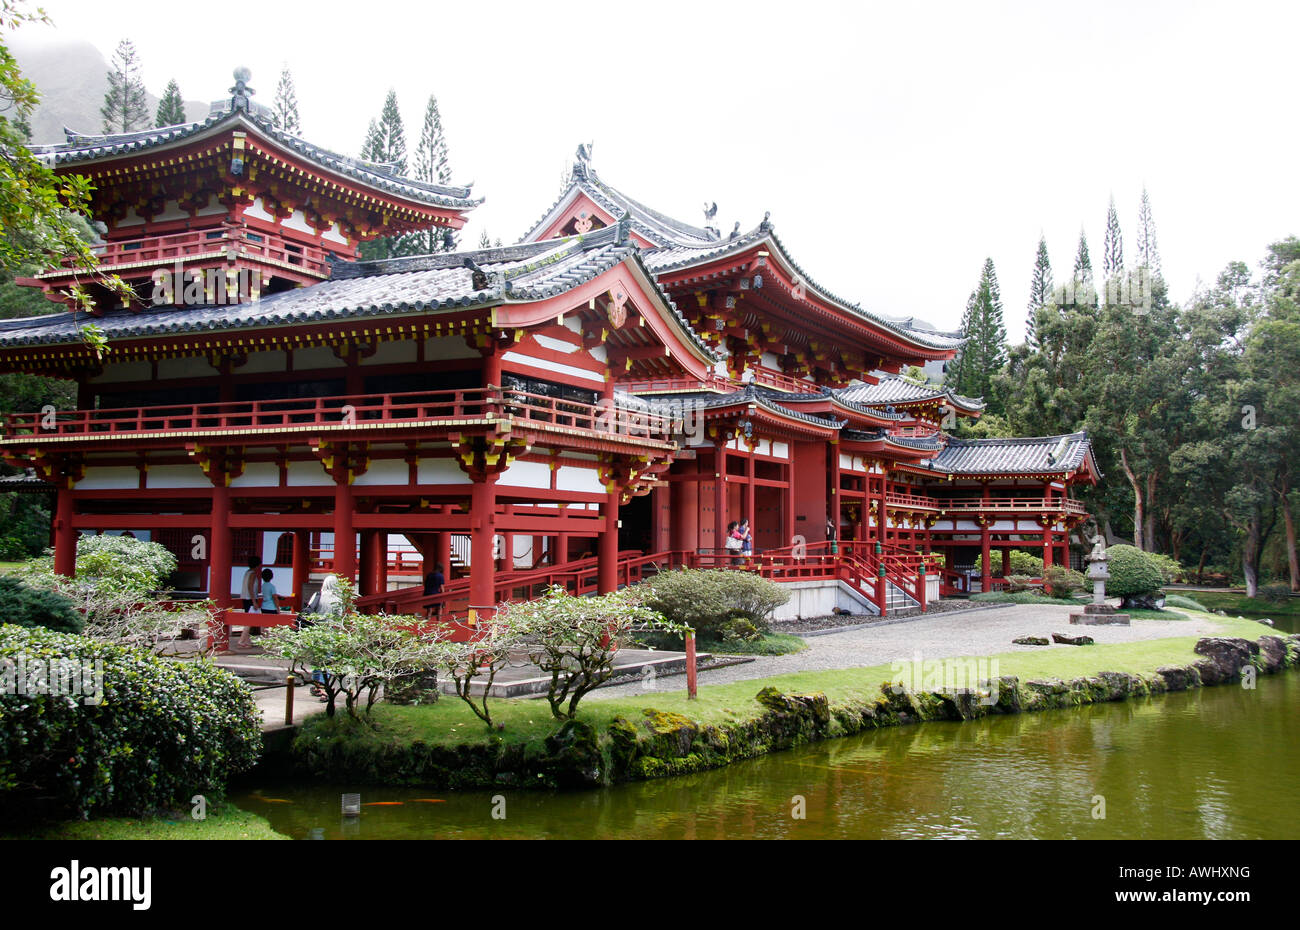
x,y
896,144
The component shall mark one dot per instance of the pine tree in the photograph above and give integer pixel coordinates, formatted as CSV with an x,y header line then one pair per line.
x,y
1148,254
386,145
1040,290
432,167
985,350
171,108
1082,260
284,110
1113,245
126,107
484,241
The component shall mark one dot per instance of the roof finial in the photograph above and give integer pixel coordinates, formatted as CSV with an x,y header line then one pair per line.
x,y
241,92
735,230
710,211
767,221
582,160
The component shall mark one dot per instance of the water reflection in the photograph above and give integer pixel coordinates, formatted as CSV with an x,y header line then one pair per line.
x,y
1215,763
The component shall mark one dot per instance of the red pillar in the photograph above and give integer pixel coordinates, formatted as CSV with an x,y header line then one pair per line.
x,y
441,554
1047,546
561,548
787,510
986,569
301,565
607,548
345,538
65,535
834,497
482,569
719,498
750,504
1006,562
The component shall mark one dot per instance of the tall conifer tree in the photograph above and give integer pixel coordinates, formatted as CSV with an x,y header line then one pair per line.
x,y
171,108
1040,290
1113,245
1148,256
985,350
433,167
284,110
1082,260
126,107
386,144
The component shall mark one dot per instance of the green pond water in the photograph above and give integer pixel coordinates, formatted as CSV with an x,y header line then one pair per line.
x,y
1217,763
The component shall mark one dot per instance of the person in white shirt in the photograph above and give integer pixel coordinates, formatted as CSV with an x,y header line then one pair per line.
x,y
250,590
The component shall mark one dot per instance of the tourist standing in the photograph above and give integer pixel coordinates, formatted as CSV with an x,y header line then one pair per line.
x,y
433,583
250,592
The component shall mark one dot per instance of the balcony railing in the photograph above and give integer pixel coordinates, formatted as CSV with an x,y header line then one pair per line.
x,y
160,250
369,411
914,501
976,504
765,377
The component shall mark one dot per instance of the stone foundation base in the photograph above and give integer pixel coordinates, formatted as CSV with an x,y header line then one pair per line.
x,y
1099,615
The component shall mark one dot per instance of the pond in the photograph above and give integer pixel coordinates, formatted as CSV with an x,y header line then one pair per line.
x,y
1214,763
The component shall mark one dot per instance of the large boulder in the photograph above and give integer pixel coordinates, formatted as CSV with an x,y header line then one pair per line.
x,y
1225,657
1175,678
1272,653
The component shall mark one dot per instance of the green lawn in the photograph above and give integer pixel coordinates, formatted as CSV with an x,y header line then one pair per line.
x,y
224,823
450,722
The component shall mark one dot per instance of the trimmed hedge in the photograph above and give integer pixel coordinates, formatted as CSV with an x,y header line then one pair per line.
x,y
711,601
1133,573
162,732
35,607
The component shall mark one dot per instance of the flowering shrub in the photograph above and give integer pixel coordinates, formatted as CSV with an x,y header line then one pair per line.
x,y
160,732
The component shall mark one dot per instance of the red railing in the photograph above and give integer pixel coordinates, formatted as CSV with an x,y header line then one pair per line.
x,y
368,411
162,249
914,501
767,377
1011,503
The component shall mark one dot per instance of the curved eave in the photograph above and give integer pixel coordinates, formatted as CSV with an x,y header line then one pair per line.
x,y
323,160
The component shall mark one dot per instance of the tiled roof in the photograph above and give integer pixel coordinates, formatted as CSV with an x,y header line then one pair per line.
x,y
680,245
83,148
418,284
923,444
766,400
786,398
1034,455
895,390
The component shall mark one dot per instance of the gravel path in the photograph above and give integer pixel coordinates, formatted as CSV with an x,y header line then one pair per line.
x,y
983,632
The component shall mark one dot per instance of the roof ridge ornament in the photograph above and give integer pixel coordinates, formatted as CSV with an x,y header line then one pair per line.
x,y
582,160
624,227
241,93
480,279
767,221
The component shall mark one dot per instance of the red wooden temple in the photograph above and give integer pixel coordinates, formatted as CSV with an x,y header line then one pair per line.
x,y
589,405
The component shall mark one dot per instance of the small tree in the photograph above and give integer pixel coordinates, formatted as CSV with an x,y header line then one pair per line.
x,y
497,644
573,639
353,656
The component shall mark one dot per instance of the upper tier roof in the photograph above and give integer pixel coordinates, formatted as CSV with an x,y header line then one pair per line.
x,y
447,281
897,390
677,246
1031,456
82,148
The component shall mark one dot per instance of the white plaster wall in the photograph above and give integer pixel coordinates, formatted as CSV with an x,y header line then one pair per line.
x,y
103,478
258,475
584,480
527,475
307,475
384,471
440,471
177,476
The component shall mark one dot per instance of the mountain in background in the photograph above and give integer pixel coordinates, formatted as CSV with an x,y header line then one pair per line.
x,y
72,76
